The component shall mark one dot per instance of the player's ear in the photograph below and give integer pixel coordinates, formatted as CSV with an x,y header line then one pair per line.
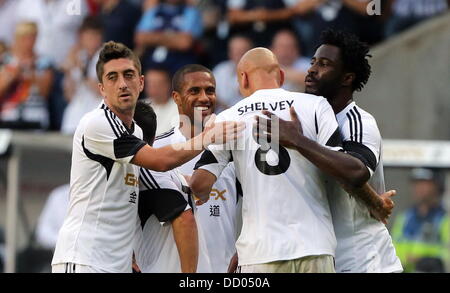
x,y
244,78
176,97
348,79
281,77
141,83
101,88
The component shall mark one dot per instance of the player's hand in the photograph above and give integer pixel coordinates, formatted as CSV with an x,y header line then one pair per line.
x,y
233,264
278,130
384,211
135,266
222,132
199,202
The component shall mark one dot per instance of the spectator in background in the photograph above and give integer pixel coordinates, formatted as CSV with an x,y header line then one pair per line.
x,y
314,16
158,91
119,18
421,234
286,49
3,50
259,19
226,74
52,217
8,20
167,35
25,81
80,77
215,36
406,13
58,22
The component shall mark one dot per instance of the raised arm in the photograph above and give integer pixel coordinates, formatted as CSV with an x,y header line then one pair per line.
x,y
349,171
169,157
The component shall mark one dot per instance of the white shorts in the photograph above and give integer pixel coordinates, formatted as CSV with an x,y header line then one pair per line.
x,y
69,267
307,264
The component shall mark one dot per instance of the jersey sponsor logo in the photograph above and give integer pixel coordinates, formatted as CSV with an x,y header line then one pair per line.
x,y
217,194
131,180
259,106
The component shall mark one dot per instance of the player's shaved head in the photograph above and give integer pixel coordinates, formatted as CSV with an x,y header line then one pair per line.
x,y
258,59
258,69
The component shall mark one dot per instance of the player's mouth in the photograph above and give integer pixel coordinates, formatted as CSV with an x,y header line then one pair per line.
x,y
310,81
205,109
125,95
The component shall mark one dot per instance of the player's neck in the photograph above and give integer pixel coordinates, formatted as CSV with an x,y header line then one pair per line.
x,y
126,119
125,116
340,101
190,132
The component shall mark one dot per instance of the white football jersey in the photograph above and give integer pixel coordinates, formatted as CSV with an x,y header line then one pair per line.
x,y
99,226
285,211
163,197
363,243
217,217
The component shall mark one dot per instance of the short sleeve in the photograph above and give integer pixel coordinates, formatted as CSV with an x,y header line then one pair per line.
x,y
160,195
327,128
362,138
102,137
216,157
214,161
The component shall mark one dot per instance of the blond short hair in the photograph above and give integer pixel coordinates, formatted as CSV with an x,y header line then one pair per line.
x,y
26,28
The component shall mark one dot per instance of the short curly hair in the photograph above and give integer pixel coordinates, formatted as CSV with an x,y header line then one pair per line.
x,y
354,55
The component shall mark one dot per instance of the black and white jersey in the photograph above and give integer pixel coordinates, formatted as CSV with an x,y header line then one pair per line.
x,y
217,217
99,226
163,197
363,244
285,211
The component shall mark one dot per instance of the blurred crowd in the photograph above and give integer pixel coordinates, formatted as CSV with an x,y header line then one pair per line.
x,y
49,48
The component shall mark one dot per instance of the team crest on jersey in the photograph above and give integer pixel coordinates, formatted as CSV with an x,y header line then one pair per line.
x,y
131,180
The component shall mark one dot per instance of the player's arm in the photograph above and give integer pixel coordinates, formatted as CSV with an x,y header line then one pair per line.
x,y
161,195
186,238
180,41
201,184
357,6
169,157
234,261
349,171
380,206
207,170
238,16
343,167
